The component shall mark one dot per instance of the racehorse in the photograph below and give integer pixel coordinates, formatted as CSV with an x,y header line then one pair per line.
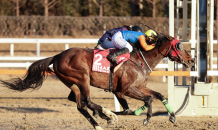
x,y
73,66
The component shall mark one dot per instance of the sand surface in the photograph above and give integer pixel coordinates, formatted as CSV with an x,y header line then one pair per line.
x,y
49,109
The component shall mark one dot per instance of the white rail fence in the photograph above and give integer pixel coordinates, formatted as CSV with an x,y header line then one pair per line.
x,y
13,41
29,60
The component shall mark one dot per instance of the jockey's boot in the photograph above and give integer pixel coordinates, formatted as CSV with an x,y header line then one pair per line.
x,y
113,56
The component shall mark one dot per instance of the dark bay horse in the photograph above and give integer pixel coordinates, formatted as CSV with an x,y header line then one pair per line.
x,y
73,66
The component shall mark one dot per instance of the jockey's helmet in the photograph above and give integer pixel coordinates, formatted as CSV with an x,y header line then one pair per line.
x,y
151,34
137,28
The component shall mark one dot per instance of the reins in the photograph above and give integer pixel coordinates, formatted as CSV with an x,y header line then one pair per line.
x,y
145,60
142,64
168,50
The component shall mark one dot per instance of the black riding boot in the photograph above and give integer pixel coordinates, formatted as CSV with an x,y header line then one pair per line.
x,y
113,56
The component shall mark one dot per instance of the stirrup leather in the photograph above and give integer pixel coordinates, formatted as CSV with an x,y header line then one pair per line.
x,y
112,58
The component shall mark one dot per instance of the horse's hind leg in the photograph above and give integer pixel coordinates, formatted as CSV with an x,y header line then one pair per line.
x,y
84,86
82,107
72,97
103,110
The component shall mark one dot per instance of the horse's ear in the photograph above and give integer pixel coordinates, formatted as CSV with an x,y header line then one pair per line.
x,y
169,37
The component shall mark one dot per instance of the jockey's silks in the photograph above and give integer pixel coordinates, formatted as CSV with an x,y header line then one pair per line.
x,y
131,36
111,32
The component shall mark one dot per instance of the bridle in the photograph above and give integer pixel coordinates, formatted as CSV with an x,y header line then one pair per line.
x,y
175,49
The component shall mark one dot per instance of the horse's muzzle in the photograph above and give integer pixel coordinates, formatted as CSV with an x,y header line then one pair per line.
x,y
191,62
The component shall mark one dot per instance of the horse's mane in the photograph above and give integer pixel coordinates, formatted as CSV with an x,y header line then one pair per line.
x,y
161,38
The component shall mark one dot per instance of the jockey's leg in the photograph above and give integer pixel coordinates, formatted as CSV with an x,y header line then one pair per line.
x,y
113,56
106,44
122,44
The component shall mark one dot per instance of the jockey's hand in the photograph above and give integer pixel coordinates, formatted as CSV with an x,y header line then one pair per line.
x,y
99,42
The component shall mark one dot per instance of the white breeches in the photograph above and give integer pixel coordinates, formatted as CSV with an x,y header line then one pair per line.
x,y
119,42
107,44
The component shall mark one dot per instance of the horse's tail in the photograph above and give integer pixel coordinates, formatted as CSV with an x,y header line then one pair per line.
x,y
34,77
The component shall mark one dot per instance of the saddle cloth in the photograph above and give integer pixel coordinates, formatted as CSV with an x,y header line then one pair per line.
x,y
102,64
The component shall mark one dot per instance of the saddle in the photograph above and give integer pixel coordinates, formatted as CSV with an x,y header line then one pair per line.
x,y
103,65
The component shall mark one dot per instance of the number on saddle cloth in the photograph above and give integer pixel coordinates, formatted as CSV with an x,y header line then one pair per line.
x,y
101,63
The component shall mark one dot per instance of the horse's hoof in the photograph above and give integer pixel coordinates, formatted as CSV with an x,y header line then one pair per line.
x,y
96,115
145,122
114,117
127,112
110,122
98,128
110,114
172,119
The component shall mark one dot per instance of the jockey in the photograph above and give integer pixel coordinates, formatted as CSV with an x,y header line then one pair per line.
x,y
121,38
105,41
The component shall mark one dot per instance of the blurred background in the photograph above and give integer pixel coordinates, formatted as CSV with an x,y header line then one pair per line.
x,y
81,18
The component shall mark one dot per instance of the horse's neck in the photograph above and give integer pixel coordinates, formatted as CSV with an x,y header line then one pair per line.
x,y
153,57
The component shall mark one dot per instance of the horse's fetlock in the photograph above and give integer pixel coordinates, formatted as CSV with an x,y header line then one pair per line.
x,y
98,128
110,114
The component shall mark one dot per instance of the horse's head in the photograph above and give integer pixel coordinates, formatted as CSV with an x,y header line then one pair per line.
x,y
173,49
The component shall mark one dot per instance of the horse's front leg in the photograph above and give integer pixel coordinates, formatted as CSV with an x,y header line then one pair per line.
x,y
148,104
144,96
122,100
166,104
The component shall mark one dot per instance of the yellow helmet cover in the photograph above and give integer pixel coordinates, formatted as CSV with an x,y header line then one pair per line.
x,y
151,34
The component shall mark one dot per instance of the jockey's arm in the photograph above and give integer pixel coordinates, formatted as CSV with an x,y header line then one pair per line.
x,y
106,35
143,43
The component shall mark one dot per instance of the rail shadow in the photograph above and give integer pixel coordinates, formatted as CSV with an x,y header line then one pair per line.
x,y
159,113
27,110
33,98
45,98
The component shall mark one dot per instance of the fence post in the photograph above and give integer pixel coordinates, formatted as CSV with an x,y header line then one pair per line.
x,y
38,48
66,46
164,69
12,49
117,104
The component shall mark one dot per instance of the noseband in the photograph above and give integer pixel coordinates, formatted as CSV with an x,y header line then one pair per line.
x,y
176,48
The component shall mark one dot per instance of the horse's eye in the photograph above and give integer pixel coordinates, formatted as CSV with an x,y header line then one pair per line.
x,y
179,46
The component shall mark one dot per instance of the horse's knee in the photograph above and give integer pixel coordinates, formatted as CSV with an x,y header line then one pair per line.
x,y
88,102
159,96
148,101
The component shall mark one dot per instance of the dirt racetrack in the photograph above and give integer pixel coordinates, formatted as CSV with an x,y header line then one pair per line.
x,y
49,109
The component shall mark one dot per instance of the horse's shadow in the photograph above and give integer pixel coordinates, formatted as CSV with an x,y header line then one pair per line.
x,y
27,110
159,113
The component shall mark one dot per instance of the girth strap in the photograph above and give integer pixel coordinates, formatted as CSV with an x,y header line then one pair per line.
x,y
111,77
